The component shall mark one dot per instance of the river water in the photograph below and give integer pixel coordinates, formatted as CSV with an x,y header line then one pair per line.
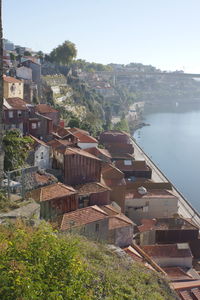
x,y
173,142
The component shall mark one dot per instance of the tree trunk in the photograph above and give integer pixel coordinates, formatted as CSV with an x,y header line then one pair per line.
x,y
1,98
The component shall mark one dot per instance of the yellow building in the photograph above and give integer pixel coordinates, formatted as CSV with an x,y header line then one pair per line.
x,y
13,88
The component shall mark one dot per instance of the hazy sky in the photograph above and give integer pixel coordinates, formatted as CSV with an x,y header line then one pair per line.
x,y
164,33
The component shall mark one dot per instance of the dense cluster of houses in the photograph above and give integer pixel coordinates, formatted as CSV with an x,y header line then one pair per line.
x,y
100,190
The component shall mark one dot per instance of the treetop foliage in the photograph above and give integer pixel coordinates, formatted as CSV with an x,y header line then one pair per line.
x,y
64,54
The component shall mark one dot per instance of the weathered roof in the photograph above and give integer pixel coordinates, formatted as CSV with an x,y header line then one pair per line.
x,y
61,131
189,290
82,216
119,148
37,141
84,138
91,187
10,79
168,250
110,210
119,221
75,129
150,194
55,190
97,151
135,165
176,223
45,108
177,274
15,104
72,151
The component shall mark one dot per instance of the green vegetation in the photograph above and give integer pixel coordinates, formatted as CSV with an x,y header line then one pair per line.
x,y
36,263
16,149
90,67
122,125
64,54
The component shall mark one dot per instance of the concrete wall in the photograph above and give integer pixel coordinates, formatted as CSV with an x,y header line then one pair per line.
x,y
149,208
24,73
42,157
87,145
121,237
174,261
148,237
13,90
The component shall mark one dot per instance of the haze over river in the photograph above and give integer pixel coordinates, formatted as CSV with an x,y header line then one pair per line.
x,y
172,141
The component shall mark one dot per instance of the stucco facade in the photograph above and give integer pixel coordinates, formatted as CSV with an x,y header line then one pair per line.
x,y
13,88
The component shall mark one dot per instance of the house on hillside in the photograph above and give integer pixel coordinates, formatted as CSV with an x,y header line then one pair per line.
x,y
121,228
133,169
89,221
49,112
16,114
114,179
62,133
55,200
167,231
142,203
170,255
13,88
39,154
102,154
187,290
92,193
114,136
78,165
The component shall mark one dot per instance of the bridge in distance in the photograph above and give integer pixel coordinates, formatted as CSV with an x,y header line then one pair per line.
x,y
132,73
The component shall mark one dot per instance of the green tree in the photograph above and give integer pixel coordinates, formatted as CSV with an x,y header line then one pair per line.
x,y
27,53
12,56
122,125
74,122
16,149
64,54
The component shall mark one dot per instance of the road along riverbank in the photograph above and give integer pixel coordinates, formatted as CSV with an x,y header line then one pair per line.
x,y
185,209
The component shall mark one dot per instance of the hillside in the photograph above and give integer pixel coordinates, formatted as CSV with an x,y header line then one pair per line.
x,y
36,263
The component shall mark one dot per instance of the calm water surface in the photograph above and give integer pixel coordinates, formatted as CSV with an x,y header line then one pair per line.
x,y
173,142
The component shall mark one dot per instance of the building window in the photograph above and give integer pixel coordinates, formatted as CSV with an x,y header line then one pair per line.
x,y
42,155
145,209
33,125
127,162
10,114
38,124
97,227
12,88
19,113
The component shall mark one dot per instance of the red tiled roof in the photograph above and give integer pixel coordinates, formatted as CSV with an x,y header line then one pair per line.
x,y
44,108
74,130
82,216
16,103
168,250
110,210
55,190
120,148
10,79
119,221
43,178
96,151
72,151
166,224
189,290
61,131
176,273
84,138
92,187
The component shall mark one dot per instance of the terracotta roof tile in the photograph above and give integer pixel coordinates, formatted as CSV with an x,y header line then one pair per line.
x,y
110,210
44,108
176,273
98,151
119,221
168,250
16,103
10,79
82,216
55,190
72,151
189,290
84,138
37,141
92,187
